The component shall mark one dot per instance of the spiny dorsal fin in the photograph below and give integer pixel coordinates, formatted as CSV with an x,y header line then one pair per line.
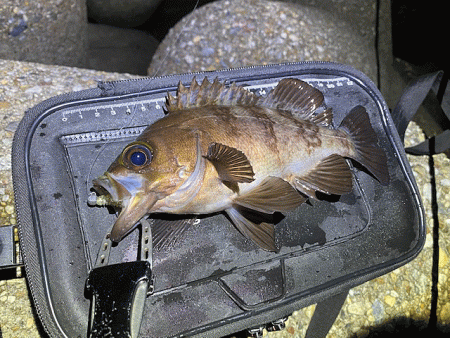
x,y
231,164
294,95
208,93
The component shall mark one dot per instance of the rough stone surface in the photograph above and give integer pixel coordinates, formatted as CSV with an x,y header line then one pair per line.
x,y
232,34
119,50
22,86
50,32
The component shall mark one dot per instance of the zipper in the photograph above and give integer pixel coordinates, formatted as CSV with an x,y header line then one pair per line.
x,y
299,63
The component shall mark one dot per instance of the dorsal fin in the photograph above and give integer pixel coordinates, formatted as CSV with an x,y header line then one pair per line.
x,y
292,95
325,118
296,96
208,93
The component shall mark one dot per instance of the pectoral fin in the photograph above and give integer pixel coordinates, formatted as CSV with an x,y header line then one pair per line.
x,y
262,234
331,176
231,164
273,194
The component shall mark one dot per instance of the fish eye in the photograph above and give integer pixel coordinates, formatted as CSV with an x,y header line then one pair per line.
x,y
137,155
138,158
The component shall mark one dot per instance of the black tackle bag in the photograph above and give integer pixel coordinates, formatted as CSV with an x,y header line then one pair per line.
x,y
214,281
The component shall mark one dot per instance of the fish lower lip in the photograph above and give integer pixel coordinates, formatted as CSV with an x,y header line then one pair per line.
x,y
133,210
104,185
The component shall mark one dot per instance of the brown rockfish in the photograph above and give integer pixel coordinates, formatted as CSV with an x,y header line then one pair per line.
x,y
226,149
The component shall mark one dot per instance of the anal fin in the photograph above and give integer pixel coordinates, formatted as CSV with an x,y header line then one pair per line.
x,y
330,176
262,234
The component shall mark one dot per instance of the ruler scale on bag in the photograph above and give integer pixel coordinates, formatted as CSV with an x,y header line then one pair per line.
x,y
112,111
211,281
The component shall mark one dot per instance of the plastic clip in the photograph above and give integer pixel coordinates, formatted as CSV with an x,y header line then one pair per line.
x,y
119,290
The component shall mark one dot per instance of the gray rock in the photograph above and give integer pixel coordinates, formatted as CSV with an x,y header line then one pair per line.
x,y
230,34
121,50
378,311
50,32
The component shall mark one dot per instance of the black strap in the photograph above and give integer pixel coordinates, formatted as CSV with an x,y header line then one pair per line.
x,y
434,145
119,292
324,315
413,96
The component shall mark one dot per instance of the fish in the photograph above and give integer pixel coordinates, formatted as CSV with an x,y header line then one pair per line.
x,y
226,149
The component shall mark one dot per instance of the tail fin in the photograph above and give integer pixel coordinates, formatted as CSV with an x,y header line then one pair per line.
x,y
368,153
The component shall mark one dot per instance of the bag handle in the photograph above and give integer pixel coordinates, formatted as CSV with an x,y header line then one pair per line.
x,y
413,96
119,290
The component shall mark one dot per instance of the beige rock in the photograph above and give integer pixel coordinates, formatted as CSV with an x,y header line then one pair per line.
x,y
444,314
389,300
9,209
443,258
356,309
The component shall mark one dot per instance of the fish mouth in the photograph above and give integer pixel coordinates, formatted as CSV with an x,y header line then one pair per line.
x,y
128,194
108,188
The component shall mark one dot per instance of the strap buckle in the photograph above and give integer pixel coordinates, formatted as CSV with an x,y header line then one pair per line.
x,y
119,290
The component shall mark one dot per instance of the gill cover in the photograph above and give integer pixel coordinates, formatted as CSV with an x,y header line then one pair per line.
x,y
190,187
